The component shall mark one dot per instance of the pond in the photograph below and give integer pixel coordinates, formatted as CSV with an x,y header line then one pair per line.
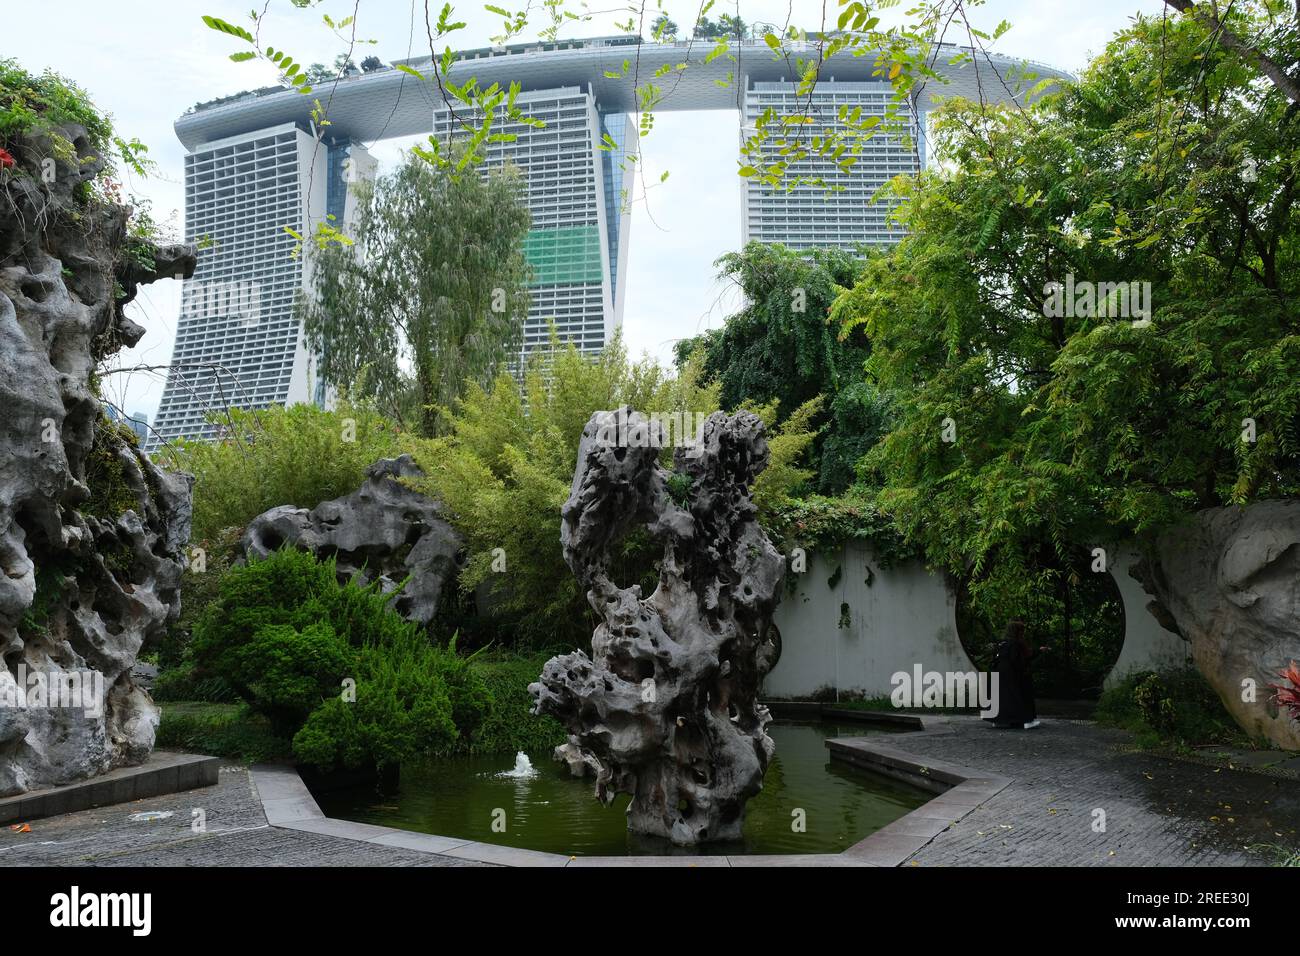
x,y
556,813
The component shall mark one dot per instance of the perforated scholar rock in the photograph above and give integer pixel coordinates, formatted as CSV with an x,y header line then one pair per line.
x,y
667,704
91,532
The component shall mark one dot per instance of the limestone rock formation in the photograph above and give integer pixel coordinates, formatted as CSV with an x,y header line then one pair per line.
x,y
91,532
383,530
1229,580
666,706
580,762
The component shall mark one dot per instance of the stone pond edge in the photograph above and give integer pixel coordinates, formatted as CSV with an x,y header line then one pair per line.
x,y
288,804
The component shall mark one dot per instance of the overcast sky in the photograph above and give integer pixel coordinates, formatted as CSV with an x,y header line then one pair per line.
x,y
151,59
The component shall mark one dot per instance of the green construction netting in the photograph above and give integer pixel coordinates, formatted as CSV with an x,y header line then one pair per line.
x,y
565,256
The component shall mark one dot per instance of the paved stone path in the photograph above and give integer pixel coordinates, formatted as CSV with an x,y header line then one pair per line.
x,y
237,835
1158,811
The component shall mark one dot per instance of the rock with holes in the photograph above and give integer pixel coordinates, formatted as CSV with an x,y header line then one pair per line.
x,y
1228,581
580,762
383,531
91,531
666,707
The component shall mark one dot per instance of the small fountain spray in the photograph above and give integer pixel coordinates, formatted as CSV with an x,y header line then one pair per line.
x,y
522,770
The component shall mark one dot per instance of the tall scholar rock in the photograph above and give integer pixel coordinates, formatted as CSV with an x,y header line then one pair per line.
x,y
666,708
91,532
383,531
1228,581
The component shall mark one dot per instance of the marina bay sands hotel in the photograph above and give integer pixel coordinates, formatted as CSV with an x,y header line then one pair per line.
x,y
257,164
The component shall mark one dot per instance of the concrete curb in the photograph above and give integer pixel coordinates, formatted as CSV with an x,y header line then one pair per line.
x,y
164,772
288,804
960,790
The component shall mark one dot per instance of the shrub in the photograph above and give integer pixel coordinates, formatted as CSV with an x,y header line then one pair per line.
x,y
30,103
408,698
301,456
1170,707
1288,693
510,725
179,678
284,635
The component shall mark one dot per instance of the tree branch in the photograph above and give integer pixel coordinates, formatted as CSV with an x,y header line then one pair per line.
x,y
1288,85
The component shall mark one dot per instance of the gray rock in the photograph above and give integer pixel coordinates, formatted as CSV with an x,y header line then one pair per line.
x,y
580,762
666,707
383,530
91,531
1229,579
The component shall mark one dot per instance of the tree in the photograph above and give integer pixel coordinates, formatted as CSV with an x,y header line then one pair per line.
x,y
725,27
435,283
663,28
344,65
1261,53
781,346
317,73
732,26
1039,412
371,63
504,469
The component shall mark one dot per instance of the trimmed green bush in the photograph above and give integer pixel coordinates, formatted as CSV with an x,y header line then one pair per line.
x,y
405,705
333,668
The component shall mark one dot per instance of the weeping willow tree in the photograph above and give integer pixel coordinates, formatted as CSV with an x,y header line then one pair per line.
x,y
429,297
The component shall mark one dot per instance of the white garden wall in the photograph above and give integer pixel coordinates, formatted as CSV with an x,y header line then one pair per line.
x,y
906,616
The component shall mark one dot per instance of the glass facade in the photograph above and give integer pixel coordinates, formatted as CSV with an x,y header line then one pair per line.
x,y
574,243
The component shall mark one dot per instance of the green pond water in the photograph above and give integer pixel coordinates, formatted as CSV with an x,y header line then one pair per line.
x,y
554,812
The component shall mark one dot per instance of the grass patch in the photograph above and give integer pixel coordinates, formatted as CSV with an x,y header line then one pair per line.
x,y
223,730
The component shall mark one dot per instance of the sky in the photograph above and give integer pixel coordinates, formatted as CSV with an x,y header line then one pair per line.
x,y
152,59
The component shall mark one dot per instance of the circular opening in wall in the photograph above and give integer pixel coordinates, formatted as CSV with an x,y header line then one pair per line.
x,y
1073,611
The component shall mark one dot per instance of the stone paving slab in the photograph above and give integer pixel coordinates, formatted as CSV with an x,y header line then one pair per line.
x,y
236,833
1158,810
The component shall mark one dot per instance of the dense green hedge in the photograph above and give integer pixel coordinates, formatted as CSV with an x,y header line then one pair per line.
x,y
331,667
234,730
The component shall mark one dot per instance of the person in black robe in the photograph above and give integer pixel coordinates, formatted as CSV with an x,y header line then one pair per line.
x,y
1016,707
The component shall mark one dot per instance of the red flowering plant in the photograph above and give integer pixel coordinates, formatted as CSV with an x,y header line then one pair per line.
x,y
6,160
1288,694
